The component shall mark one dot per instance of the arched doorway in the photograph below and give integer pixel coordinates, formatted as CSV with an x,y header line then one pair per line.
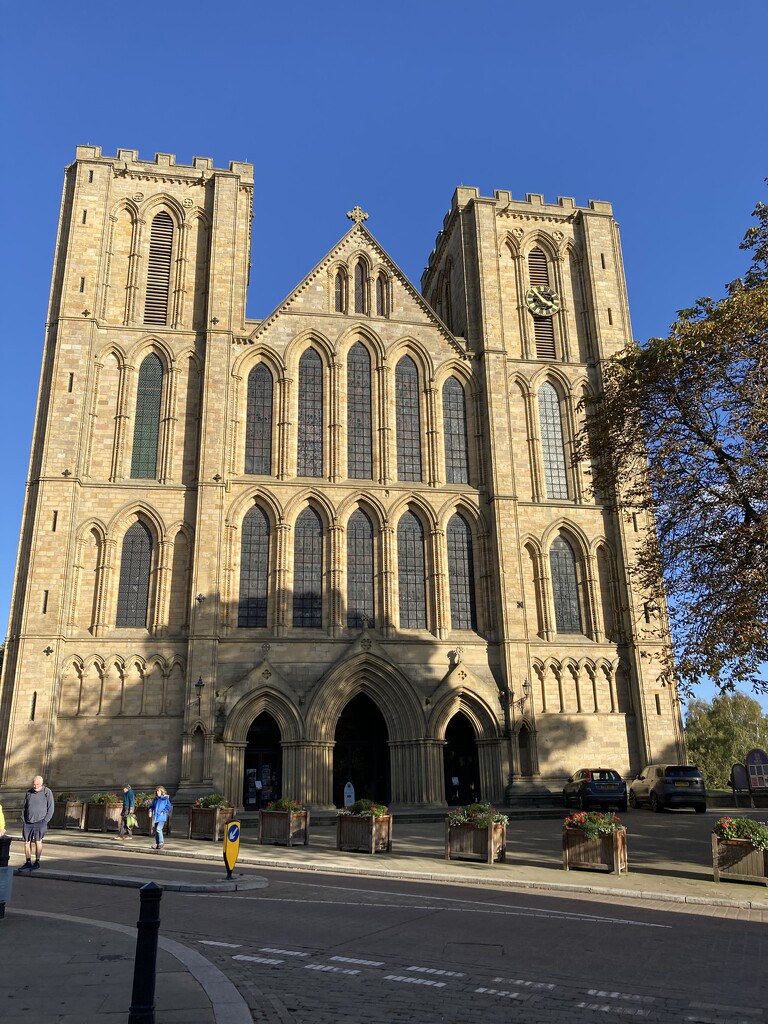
x,y
361,752
460,762
524,750
263,763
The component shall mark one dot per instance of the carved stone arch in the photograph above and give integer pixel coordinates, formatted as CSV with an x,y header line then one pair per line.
x,y
458,504
538,239
133,512
252,356
366,502
571,532
198,213
511,244
151,345
297,346
112,348
313,498
480,714
553,375
370,339
360,255
409,346
266,699
164,201
420,508
387,687
128,205
462,371
267,502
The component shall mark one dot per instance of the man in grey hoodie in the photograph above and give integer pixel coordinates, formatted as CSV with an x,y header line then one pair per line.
x,y
35,815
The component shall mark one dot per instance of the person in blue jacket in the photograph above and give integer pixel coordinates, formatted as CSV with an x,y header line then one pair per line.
x,y
159,812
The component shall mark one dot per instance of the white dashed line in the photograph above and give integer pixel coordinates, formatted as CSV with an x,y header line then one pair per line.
x,y
504,993
330,970
285,952
224,945
414,981
601,994
526,984
352,960
434,970
257,959
607,1008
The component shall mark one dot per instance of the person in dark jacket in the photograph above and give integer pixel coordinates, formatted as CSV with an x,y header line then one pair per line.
x,y
36,812
129,807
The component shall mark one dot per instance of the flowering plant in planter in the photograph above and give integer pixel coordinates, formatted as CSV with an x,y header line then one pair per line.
x,y
106,798
284,804
211,800
63,797
756,832
479,815
365,809
594,823
144,799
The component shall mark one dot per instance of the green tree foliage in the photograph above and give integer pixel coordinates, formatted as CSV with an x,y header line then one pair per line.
x,y
680,432
721,733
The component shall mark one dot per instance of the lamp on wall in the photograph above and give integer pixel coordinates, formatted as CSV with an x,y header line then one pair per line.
x,y
199,686
521,701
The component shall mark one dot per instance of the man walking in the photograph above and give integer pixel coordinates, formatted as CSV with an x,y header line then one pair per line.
x,y
35,815
129,808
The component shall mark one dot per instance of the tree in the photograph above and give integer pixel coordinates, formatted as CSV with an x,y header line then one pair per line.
x,y
680,432
720,734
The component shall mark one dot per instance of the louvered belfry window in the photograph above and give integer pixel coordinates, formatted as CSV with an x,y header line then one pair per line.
x,y
410,570
461,573
159,270
258,424
455,433
543,326
135,568
552,448
254,569
146,429
310,428
359,570
407,420
565,589
308,571
359,452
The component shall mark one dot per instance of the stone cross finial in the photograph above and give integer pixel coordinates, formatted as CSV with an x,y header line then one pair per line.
x,y
357,214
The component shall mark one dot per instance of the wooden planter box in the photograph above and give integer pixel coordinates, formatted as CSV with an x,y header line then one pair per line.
x,y
467,842
368,835
209,822
68,814
606,853
286,828
102,817
737,860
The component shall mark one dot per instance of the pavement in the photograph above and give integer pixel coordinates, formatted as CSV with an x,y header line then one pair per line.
x,y
71,970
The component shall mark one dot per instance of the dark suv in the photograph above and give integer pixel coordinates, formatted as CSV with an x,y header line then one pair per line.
x,y
596,787
669,785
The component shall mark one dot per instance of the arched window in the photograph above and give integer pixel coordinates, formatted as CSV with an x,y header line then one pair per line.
x,y
310,432
254,569
360,282
135,568
159,269
146,430
408,420
359,450
461,574
340,292
565,588
258,423
411,575
552,448
360,600
455,433
308,570
381,296
543,326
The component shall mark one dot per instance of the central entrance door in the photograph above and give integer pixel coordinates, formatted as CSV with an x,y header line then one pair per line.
x,y
361,752
460,762
262,779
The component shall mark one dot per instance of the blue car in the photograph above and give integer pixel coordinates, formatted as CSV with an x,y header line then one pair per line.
x,y
596,789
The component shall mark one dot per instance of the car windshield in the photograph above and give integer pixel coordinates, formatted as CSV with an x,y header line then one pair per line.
x,y
605,775
681,771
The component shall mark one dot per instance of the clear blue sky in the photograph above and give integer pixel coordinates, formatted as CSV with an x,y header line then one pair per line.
x,y
658,107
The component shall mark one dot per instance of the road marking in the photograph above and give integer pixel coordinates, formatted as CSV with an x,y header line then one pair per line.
x,y
224,945
285,952
527,984
498,992
414,981
326,969
607,1008
363,963
601,994
434,970
257,959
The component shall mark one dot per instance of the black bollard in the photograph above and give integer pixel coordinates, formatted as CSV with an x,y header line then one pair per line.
x,y
5,855
142,1009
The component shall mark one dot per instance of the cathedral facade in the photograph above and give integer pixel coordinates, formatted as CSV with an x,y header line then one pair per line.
x,y
345,543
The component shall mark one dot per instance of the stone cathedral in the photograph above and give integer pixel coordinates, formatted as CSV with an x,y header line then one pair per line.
x,y
344,543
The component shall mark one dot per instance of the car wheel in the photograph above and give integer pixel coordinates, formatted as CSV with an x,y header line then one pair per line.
x,y
700,808
623,807
632,799
656,803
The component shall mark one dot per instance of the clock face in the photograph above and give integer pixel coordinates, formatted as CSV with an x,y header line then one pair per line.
x,y
542,300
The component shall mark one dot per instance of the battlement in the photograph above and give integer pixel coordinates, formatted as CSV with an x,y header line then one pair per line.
x,y
162,161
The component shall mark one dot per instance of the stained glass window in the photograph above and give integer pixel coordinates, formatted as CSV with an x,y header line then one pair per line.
x,y
461,574
360,276
258,424
359,570
308,570
411,576
254,569
455,433
310,432
565,587
135,568
552,448
359,451
146,430
408,420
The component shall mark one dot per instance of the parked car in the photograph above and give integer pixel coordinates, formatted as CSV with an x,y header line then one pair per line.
x,y
669,785
596,788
